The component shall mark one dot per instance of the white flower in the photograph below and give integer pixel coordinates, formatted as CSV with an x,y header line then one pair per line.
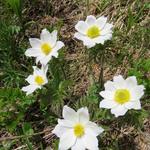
x,y
76,131
121,95
93,31
45,47
37,80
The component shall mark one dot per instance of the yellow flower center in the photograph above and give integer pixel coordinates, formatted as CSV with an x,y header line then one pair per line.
x,y
46,48
93,32
79,130
39,80
122,96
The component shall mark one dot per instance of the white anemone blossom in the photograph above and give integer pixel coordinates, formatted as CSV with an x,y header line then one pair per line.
x,y
122,94
45,47
37,80
76,131
93,31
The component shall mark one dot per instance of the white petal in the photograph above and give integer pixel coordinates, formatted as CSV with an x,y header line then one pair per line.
x,y
36,71
131,81
55,54
137,105
54,37
60,130
58,46
101,21
81,27
137,92
90,140
94,127
44,69
86,41
45,81
40,72
70,114
109,86
80,36
107,29
133,105
34,42
99,40
120,110
65,123
119,81
106,32
67,140
89,43
78,145
108,26
30,79
45,35
90,20
83,115
38,58
29,89
107,95
107,36
107,104
34,52
129,105
102,39
45,60
118,78
48,37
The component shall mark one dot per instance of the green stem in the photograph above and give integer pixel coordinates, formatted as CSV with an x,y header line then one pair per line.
x,y
28,143
101,75
13,47
62,69
90,69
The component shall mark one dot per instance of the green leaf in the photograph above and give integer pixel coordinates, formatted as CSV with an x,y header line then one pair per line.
x,y
27,129
16,5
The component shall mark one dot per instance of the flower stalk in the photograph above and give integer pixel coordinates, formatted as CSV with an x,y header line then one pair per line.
x,y
101,74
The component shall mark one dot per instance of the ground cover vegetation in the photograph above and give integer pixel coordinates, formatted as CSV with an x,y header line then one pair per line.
x,y
75,76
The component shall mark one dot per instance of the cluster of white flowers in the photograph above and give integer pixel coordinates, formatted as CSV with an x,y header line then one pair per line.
x,y
75,130
42,49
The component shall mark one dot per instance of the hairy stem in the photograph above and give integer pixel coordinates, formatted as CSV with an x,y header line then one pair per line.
x,y
62,69
90,69
101,75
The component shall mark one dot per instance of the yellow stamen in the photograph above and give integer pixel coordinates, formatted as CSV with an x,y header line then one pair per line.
x,y
39,80
79,130
93,32
46,48
122,96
